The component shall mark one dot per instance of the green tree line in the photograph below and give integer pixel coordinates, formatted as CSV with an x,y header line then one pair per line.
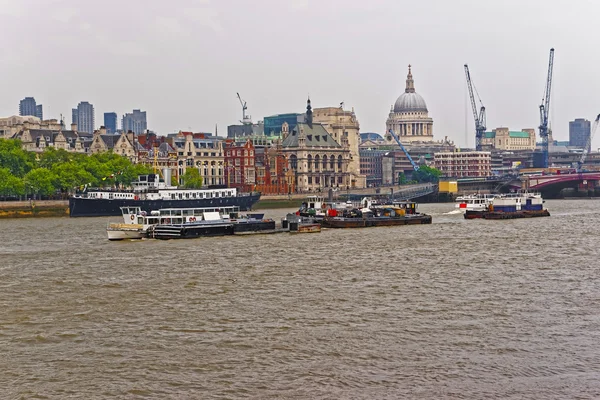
x,y
56,172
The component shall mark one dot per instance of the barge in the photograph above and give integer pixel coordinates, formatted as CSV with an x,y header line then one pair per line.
x,y
403,213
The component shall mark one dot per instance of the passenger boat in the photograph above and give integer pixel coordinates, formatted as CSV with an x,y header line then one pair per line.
x,y
134,226
150,193
474,205
185,223
402,213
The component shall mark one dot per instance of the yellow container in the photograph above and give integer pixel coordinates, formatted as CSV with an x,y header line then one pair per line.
x,y
448,187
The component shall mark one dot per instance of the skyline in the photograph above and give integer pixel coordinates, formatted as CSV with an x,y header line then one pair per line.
x,y
185,67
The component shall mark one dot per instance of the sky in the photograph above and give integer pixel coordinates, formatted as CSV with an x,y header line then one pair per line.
x,y
183,61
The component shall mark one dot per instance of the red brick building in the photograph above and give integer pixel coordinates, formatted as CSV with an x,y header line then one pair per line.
x,y
240,165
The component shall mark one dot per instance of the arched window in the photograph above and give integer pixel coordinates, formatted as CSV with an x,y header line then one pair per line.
x,y
340,163
332,162
324,162
309,162
294,162
317,161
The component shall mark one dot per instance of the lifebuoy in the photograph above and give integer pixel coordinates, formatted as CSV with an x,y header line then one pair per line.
x,y
132,217
136,198
192,219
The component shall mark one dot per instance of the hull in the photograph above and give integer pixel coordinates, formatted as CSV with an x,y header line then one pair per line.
x,y
307,228
516,214
86,207
188,231
469,214
373,222
254,226
123,234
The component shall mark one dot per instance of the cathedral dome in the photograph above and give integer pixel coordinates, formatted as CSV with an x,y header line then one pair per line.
x,y
410,101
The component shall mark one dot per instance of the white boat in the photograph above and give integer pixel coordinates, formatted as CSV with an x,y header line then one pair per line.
x,y
134,226
474,202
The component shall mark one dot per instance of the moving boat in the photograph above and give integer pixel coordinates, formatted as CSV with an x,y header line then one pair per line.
x,y
401,213
474,204
150,193
511,206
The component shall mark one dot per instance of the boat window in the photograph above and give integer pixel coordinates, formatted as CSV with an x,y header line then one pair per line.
x,y
172,196
187,195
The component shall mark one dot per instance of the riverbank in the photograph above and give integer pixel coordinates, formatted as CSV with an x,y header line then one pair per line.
x,y
33,208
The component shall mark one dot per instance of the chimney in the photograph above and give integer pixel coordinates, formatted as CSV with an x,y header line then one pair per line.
x,y
103,130
74,127
130,136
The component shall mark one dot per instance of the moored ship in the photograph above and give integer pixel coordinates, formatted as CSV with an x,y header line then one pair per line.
x,y
150,193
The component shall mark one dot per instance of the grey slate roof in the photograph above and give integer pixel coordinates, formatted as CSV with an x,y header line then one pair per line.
x,y
316,136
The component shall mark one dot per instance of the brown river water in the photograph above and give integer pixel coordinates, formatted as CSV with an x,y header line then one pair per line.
x,y
457,309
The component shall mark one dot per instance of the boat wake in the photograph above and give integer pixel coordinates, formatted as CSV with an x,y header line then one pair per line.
x,y
453,212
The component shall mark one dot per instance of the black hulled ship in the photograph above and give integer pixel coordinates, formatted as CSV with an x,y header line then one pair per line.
x,y
150,193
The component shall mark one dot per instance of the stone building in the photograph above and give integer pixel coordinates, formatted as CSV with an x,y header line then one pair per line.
x,y
342,125
203,151
123,144
315,158
505,139
9,126
409,117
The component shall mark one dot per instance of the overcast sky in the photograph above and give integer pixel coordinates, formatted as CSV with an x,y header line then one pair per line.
x,y
184,60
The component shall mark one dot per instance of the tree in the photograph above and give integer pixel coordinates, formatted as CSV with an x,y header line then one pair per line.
x,y
192,179
401,178
51,157
427,174
70,175
10,185
40,181
13,157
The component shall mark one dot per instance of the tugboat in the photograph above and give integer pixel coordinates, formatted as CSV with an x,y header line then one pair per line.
x,y
524,205
150,193
402,213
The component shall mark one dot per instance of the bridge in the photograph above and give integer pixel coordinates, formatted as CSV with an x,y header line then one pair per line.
x,y
551,185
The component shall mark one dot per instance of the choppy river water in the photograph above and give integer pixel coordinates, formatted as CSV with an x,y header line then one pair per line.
x,y
457,309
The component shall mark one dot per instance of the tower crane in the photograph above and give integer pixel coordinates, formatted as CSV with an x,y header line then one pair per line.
x,y
245,119
479,116
588,145
544,110
414,164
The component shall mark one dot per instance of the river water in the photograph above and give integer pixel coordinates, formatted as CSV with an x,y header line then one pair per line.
x,y
457,309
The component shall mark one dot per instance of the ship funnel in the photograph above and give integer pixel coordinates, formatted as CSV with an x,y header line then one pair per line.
x,y
167,176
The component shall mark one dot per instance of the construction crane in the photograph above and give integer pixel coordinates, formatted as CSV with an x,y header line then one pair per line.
x,y
479,116
588,145
245,119
414,165
544,110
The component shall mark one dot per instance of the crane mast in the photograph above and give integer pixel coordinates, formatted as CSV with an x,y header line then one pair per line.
x,y
245,119
414,164
544,110
588,145
478,115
